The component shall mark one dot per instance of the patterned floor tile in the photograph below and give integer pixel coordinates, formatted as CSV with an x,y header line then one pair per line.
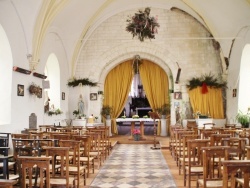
x,y
134,166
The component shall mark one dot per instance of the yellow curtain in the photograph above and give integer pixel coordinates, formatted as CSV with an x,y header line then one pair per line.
x,y
155,84
116,90
209,103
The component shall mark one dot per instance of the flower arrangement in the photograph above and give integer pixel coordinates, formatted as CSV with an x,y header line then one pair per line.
x,y
142,25
54,112
136,132
135,116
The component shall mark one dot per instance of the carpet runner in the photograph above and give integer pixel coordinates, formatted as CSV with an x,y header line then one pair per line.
x,y
134,166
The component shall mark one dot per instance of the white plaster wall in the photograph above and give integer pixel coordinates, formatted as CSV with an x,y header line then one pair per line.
x,y
242,39
53,44
21,107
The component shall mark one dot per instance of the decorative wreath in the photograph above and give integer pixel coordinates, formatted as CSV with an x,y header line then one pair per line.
x,y
142,25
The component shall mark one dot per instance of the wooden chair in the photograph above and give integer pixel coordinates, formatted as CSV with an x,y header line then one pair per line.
x,y
74,167
183,159
215,139
194,153
237,147
206,133
232,126
95,147
212,176
177,141
60,136
6,164
62,178
29,167
7,183
208,125
232,169
85,158
35,134
172,141
179,149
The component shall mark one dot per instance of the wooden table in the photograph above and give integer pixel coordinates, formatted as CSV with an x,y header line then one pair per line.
x,y
133,120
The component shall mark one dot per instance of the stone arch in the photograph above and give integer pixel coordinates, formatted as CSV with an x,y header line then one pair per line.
x,y
110,60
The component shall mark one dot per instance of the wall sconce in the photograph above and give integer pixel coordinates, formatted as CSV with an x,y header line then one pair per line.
x,y
178,74
39,75
18,69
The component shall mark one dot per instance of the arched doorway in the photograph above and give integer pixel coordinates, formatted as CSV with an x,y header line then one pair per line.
x,y
118,82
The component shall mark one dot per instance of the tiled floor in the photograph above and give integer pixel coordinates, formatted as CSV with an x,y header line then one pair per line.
x,y
134,166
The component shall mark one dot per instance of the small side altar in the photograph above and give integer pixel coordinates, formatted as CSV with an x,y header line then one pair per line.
x,y
132,121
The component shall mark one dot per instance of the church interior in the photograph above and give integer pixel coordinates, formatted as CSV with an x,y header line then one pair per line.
x,y
128,83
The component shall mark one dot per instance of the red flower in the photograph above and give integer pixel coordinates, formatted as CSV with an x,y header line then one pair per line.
x,y
136,131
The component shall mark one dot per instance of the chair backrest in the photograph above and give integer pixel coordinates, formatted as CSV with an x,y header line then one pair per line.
x,y
237,146
75,149
206,133
61,136
7,183
208,125
212,157
35,134
28,168
232,168
63,152
194,151
215,139
230,126
185,140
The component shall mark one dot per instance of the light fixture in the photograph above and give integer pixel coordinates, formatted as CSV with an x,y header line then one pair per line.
x,y
21,70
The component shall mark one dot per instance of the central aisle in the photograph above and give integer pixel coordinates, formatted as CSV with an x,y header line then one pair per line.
x,y
134,165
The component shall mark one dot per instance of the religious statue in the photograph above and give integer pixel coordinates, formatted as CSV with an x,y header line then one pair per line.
x,y
46,104
80,105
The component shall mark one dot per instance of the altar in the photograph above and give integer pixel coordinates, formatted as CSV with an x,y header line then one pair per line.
x,y
133,121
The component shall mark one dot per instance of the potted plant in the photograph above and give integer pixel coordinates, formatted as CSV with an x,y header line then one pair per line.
x,y
106,111
243,119
76,113
164,110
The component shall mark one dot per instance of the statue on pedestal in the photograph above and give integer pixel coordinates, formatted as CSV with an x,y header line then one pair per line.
x,y
81,105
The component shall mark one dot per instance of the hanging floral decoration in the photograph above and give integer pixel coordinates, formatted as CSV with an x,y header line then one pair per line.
x,y
142,25
35,90
84,81
204,81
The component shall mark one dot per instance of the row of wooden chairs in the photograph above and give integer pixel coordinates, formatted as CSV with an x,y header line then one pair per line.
x,y
187,148
84,149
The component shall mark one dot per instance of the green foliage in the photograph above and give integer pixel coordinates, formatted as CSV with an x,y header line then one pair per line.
x,y
164,109
106,110
55,112
243,119
75,112
84,81
209,79
141,25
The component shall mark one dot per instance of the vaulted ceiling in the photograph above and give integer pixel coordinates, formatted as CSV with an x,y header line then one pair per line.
x,y
75,20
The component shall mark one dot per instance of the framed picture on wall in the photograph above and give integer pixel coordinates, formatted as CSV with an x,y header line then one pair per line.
x,y
20,90
63,95
93,96
177,95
